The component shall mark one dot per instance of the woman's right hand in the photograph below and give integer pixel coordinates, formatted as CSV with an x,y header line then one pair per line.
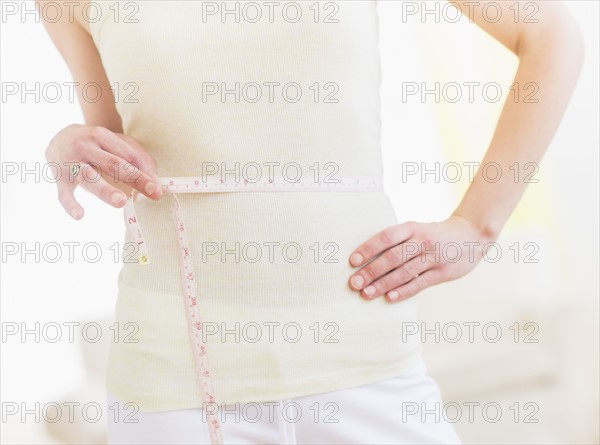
x,y
112,166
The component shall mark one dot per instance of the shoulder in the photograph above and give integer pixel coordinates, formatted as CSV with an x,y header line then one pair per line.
x,y
65,17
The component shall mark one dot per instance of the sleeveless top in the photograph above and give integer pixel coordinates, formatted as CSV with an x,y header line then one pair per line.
x,y
289,90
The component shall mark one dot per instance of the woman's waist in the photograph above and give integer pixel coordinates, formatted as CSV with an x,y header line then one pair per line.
x,y
345,215
299,243
283,163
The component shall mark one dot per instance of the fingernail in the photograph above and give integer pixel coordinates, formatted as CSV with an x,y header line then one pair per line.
x,y
370,290
358,281
116,197
393,295
150,188
356,259
75,213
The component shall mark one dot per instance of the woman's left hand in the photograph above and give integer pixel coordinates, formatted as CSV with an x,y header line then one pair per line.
x,y
414,256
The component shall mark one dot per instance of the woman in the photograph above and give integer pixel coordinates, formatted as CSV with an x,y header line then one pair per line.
x,y
295,302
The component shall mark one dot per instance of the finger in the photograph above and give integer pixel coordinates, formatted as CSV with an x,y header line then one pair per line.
x,y
138,168
414,286
386,262
124,147
381,241
396,278
66,197
149,160
120,170
106,192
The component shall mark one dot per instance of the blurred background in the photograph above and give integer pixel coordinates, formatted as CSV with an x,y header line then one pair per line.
x,y
529,369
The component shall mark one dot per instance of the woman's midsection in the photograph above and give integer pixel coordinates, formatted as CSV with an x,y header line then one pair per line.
x,y
259,249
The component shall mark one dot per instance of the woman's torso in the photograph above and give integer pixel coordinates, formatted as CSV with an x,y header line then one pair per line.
x,y
301,102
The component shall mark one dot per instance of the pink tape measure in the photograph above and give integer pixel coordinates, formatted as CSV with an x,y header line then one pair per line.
x,y
177,185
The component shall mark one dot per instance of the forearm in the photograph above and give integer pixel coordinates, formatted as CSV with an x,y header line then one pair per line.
x,y
524,129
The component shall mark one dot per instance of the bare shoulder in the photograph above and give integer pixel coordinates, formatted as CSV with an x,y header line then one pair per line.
x,y
64,16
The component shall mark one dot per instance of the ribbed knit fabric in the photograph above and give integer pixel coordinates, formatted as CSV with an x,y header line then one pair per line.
x,y
272,269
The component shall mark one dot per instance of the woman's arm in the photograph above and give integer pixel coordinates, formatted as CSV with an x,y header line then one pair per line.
x,y
71,37
550,54
121,161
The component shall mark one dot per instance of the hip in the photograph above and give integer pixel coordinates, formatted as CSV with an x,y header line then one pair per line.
x,y
379,412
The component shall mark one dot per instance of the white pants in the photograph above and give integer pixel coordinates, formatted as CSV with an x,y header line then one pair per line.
x,y
406,409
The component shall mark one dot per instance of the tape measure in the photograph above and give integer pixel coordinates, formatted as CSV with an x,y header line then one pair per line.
x,y
191,184
203,185
187,184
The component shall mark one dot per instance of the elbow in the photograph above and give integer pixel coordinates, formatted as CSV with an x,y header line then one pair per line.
x,y
573,55
558,37
569,39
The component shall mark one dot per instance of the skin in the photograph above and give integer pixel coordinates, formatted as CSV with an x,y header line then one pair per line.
x,y
125,166
393,263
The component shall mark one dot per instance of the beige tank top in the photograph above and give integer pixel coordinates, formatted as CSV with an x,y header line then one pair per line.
x,y
289,89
